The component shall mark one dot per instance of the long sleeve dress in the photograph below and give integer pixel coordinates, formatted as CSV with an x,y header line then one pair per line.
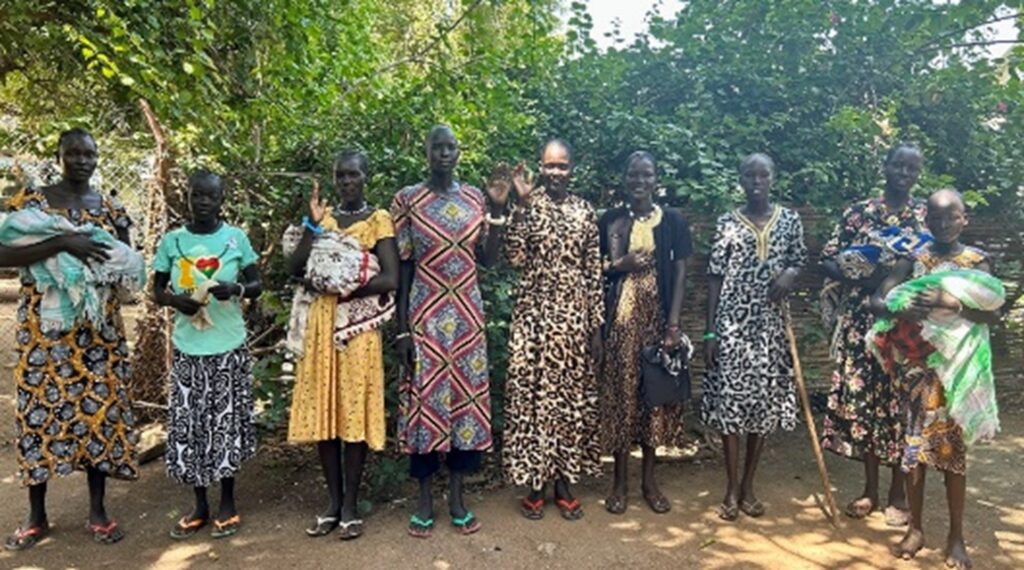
x,y
552,412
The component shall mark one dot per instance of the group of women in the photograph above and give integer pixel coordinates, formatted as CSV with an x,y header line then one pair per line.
x,y
592,294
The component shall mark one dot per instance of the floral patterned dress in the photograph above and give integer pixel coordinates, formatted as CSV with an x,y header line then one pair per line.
x,y
72,409
552,416
445,403
864,407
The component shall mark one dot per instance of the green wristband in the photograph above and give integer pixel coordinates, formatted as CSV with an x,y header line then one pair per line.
x,y
710,335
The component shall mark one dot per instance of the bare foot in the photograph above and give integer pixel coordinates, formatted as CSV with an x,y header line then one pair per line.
x,y
912,542
861,507
956,554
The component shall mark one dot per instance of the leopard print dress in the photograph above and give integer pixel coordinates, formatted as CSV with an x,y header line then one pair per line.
x,y
750,389
552,394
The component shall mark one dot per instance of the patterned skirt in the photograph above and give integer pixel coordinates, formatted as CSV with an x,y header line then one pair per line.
x,y
932,436
72,411
625,420
210,428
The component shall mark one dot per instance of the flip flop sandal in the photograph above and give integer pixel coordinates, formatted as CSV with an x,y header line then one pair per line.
x,y
187,528
856,512
224,529
752,509
571,510
419,528
468,524
323,526
25,538
615,504
533,510
728,512
351,530
106,534
896,517
658,503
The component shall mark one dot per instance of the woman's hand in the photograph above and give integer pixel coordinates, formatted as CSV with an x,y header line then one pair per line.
x,y
406,351
597,348
499,187
85,248
782,286
632,263
317,207
223,291
710,352
937,299
673,337
522,180
185,304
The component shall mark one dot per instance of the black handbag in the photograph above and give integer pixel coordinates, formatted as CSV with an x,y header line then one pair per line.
x,y
664,375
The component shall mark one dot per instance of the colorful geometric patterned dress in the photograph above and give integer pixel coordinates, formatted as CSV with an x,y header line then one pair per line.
x,y
445,403
72,410
864,409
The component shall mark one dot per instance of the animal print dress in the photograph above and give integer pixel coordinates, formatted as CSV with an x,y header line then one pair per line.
x,y
750,390
552,395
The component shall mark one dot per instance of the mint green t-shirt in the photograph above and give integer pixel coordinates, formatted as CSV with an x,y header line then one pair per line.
x,y
194,258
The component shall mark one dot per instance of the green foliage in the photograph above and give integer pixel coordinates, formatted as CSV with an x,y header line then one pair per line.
x,y
256,87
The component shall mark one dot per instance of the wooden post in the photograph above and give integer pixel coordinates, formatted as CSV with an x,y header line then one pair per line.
x,y
812,430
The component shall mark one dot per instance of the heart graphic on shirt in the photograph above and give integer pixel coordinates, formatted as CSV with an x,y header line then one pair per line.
x,y
208,266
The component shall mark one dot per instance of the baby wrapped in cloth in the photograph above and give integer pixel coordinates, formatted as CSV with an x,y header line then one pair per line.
x,y
72,289
958,350
337,266
860,262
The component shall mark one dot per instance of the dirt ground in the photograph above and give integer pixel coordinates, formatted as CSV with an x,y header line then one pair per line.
x,y
278,499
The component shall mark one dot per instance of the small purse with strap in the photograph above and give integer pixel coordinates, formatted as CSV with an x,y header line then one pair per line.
x,y
665,375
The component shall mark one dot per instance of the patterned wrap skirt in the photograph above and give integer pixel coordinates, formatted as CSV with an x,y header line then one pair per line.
x,y
210,428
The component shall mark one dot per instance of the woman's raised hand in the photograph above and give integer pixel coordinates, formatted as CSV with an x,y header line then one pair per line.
x,y
522,180
499,186
317,207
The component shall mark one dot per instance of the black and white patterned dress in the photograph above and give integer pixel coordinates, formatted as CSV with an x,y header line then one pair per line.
x,y
750,390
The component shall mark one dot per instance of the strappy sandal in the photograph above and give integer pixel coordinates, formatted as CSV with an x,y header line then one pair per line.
x,y
419,528
658,503
728,512
468,524
533,510
25,538
571,510
106,534
323,526
351,530
187,528
615,504
753,508
224,529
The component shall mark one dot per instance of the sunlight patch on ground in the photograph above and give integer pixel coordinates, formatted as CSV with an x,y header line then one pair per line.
x,y
179,557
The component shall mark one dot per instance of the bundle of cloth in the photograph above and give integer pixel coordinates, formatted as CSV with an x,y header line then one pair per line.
x,y
860,262
337,266
72,289
957,349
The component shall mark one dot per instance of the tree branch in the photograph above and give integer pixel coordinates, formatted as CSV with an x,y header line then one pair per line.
x,y
965,29
419,55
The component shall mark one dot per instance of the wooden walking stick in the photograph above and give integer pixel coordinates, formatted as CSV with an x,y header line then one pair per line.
x,y
812,430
